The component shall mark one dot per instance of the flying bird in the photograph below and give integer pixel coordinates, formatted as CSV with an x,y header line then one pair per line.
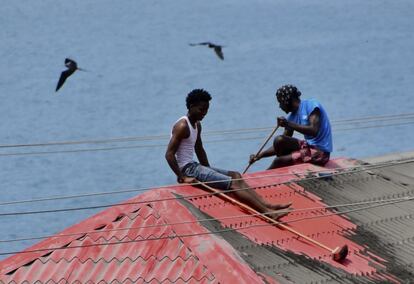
x,y
217,48
72,67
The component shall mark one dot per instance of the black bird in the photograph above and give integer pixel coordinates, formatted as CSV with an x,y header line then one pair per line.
x,y
72,67
217,48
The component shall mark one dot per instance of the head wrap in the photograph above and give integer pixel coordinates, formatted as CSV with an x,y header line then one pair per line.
x,y
286,93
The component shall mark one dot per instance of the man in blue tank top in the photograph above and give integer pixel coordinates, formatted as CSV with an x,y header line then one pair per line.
x,y
307,117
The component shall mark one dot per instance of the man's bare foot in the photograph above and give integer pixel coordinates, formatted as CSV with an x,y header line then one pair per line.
x,y
279,206
279,214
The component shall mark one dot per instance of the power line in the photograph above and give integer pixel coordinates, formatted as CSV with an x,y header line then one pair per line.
x,y
354,168
115,148
209,232
161,186
375,126
375,118
165,145
193,196
211,219
207,133
364,167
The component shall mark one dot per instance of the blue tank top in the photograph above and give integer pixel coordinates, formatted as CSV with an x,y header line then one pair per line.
x,y
323,140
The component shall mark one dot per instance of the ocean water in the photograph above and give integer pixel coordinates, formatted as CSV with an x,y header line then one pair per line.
x,y
355,57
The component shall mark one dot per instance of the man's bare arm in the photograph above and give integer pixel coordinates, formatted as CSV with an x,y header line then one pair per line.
x,y
312,129
180,132
199,149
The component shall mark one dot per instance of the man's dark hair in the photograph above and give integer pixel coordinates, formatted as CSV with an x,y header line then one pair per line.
x,y
196,96
286,93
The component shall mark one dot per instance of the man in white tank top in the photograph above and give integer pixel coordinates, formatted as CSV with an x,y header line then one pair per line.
x,y
186,139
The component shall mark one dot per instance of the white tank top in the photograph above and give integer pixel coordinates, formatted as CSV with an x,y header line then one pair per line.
x,y
185,152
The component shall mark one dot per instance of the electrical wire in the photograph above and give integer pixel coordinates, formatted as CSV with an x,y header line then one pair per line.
x,y
168,186
165,145
366,119
206,233
192,196
115,148
310,209
352,168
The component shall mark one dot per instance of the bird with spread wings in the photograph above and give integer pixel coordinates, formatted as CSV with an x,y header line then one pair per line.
x,y
217,48
71,66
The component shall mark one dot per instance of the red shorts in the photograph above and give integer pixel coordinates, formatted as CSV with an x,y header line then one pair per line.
x,y
309,154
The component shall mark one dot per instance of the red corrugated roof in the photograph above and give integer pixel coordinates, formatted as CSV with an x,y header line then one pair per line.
x,y
112,250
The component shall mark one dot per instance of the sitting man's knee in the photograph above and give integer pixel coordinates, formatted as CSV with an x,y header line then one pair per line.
x,y
278,145
278,140
235,175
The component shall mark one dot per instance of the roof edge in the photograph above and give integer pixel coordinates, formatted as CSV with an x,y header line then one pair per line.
x,y
390,157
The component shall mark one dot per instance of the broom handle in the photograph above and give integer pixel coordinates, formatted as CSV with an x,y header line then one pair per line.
x,y
267,218
261,148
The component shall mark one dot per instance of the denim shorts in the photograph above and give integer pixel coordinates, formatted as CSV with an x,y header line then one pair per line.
x,y
208,174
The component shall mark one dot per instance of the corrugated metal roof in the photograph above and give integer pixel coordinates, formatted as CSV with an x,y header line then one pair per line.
x,y
171,241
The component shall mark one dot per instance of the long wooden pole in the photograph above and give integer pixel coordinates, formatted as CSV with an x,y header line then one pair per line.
x,y
261,148
339,253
